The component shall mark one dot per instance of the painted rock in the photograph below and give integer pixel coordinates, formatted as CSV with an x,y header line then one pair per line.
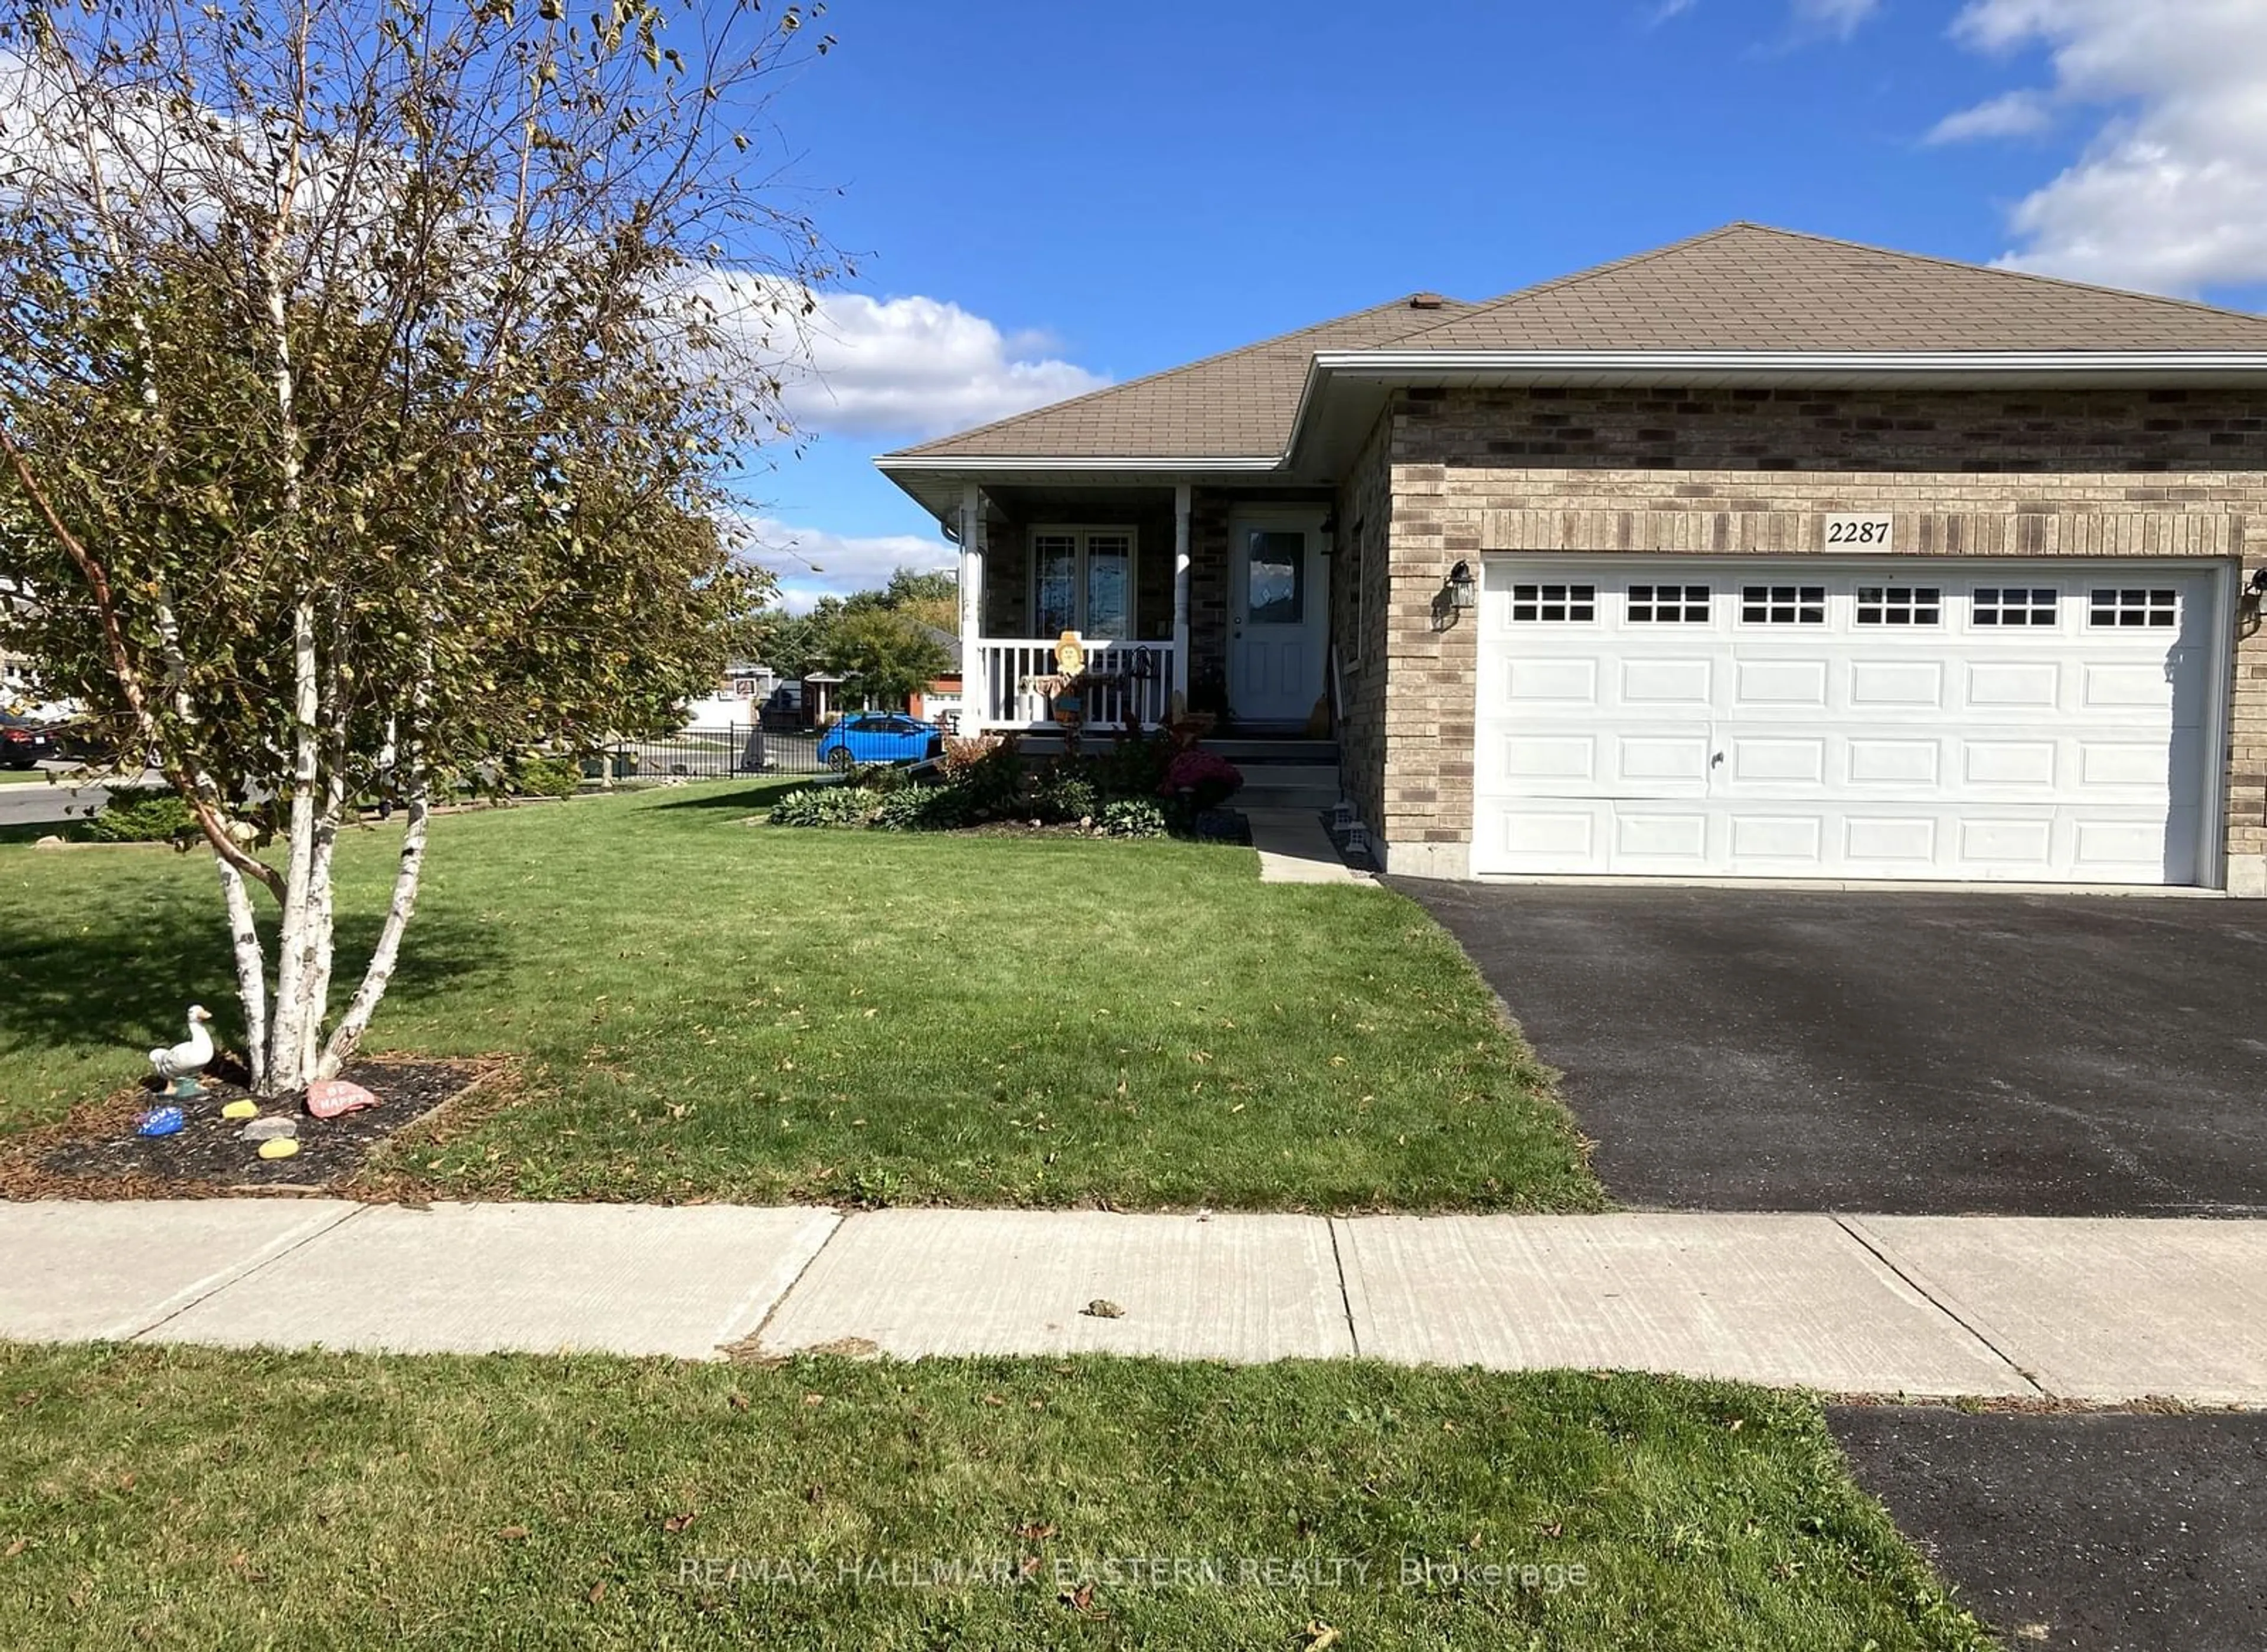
x,y
328,1097
271,1130
240,1110
160,1121
281,1148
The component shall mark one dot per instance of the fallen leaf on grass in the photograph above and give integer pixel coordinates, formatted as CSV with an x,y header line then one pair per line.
x,y
675,1524
1319,1635
1081,1600
1034,1532
511,1534
598,1591
16,1548
738,1402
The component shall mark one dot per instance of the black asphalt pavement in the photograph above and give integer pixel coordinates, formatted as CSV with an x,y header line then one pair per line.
x,y
1893,1052
2106,1533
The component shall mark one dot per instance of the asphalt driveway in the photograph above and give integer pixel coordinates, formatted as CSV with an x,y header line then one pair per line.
x,y
1927,1054
2100,1534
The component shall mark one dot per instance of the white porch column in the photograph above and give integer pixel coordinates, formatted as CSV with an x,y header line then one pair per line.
x,y
1182,494
975,695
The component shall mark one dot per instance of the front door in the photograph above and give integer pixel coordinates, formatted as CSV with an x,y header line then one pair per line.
x,y
1277,612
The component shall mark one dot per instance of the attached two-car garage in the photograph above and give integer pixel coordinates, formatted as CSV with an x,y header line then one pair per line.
x,y
1880,719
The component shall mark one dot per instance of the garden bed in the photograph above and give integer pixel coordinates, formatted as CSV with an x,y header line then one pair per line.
x,y
95,1152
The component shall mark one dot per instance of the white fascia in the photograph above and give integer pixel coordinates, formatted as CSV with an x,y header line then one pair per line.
x,y
974,464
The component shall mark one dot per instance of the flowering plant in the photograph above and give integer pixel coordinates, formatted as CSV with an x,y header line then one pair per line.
x,y
1206,777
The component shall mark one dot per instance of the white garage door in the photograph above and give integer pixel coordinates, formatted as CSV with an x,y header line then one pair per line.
x,y
1809,719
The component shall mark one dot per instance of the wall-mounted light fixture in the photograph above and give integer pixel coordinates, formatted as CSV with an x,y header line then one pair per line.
x,y
1464,590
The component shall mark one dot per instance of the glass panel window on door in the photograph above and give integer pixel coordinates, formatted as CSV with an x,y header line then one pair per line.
x,y
1275,565
1083,581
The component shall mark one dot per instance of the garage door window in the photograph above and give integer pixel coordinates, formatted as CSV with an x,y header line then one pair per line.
x,y
1668,605
1553,603
2127,609
1783,604
2011,604
1900,604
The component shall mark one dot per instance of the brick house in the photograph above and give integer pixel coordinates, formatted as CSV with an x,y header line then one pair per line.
x,y
1758,555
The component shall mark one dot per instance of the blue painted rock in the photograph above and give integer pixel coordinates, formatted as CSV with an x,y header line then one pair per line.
x,y
160,1121
328,1097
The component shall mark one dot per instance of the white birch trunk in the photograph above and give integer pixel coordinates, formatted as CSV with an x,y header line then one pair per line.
x,y
251,971
289,1039
347,1037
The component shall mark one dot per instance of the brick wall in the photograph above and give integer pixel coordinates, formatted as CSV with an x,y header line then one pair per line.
x,y
1359,598
2165,473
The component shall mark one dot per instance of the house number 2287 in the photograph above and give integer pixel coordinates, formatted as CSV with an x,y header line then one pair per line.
x,y
1858,534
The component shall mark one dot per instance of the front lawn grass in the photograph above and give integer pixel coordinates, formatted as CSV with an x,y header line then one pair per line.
x,y
203,1499
711,1010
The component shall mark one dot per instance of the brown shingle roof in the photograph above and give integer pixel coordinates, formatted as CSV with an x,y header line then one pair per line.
x,y
1233,406
1744,287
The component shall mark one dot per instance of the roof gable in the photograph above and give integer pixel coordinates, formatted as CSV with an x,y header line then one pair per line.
x,y
1237,405
1746,287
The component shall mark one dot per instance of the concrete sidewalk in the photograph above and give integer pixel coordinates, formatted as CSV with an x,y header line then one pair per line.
x,y
2098,1310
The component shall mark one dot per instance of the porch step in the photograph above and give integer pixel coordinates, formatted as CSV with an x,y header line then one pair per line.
x,y
1295,786
1272,753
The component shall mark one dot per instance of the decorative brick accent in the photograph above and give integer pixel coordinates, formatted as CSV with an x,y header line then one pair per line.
x,y
1653,472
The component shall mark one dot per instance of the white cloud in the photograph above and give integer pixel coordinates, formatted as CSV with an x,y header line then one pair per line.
x,y
813,562
1836,16
2011,114
1667,10
918,367
2170,194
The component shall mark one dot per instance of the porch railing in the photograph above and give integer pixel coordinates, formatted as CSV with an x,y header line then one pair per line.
x,y
1128,684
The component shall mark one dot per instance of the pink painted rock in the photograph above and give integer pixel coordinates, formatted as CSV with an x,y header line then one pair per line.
x,y
328,1097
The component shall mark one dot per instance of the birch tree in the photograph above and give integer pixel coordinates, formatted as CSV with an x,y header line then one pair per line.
x,y
372,373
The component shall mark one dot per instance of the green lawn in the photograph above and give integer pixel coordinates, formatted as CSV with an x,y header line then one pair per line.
x,y
713,1010
200,1499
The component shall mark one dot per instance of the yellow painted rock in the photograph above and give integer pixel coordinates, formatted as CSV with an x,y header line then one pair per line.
x,y
240,1110
281,1148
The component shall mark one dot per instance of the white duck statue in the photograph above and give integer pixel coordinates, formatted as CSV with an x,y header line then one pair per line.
x,y
180,1065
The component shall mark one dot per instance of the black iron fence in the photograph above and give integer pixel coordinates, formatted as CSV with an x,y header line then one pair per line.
x,y
742,750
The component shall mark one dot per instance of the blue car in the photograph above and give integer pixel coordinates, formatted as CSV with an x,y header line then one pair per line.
x,y
879,736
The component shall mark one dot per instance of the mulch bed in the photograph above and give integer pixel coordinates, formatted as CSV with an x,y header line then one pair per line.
x,y
95,1154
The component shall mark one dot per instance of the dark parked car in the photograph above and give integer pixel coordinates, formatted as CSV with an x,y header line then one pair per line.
x,y
23,743
782,712
879,736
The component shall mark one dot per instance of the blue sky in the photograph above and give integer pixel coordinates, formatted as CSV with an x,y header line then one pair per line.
x,y
1051,194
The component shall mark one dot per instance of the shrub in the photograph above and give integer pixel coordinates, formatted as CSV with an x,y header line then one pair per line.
x,y
545,777
826,806
1135,818
884,777
1206,778
992,780
1134,766
141,817
965,751
922,809
1063,796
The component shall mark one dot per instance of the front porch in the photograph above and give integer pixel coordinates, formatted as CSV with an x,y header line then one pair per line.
x,y
1183,598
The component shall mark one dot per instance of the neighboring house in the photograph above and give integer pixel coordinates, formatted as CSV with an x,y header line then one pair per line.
x,y
942,703
741,689
1787,558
